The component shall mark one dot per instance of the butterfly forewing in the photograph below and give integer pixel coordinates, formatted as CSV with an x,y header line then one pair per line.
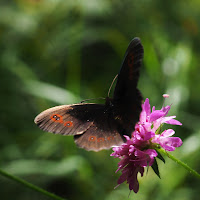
x,y
68,119
128,76
127,98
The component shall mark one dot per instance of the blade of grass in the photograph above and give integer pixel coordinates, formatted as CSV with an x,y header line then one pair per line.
x,y
30,185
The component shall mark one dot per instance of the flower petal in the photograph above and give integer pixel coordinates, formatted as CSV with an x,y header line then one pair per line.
x,y
173,122
166,109
133,182
143,116
169,144
149,135
156,115
152,154
147,107
167,133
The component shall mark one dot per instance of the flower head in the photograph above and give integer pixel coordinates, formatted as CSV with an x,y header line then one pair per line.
x,y
139,151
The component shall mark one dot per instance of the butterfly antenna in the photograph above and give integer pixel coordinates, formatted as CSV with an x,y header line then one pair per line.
x,y
112,84
92,99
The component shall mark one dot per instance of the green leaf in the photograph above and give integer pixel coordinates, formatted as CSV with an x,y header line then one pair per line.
x,y
159,156
155,168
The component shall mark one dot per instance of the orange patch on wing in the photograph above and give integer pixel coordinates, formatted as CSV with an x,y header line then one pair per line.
x,y
68,124
57,118
92,138
110,138
101,139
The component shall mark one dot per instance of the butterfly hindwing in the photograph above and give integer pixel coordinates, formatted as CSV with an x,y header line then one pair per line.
x,y
94,139
104,133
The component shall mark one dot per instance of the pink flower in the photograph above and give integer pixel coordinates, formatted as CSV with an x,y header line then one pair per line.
x,y
166,142
132,161
139,151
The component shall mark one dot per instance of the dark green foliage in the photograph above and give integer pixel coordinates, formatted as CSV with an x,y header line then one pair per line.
x,y
60,52
159,156
155,168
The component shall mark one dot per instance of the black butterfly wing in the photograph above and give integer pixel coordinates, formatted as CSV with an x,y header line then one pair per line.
x,y
127,98
67,119
97,126
128,76
104,133
93,125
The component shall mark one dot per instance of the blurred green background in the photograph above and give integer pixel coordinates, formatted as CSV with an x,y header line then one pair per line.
x,y
60,52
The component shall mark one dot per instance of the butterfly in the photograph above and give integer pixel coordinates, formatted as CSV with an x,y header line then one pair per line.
x,y
102,126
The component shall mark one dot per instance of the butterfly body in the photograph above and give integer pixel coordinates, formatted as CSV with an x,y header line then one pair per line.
x,y
101,126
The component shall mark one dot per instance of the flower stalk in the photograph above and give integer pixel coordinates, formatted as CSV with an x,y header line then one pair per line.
x,y
30,185
184,165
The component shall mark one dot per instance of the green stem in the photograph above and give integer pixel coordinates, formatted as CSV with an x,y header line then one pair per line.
x,y
29,185
195,173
